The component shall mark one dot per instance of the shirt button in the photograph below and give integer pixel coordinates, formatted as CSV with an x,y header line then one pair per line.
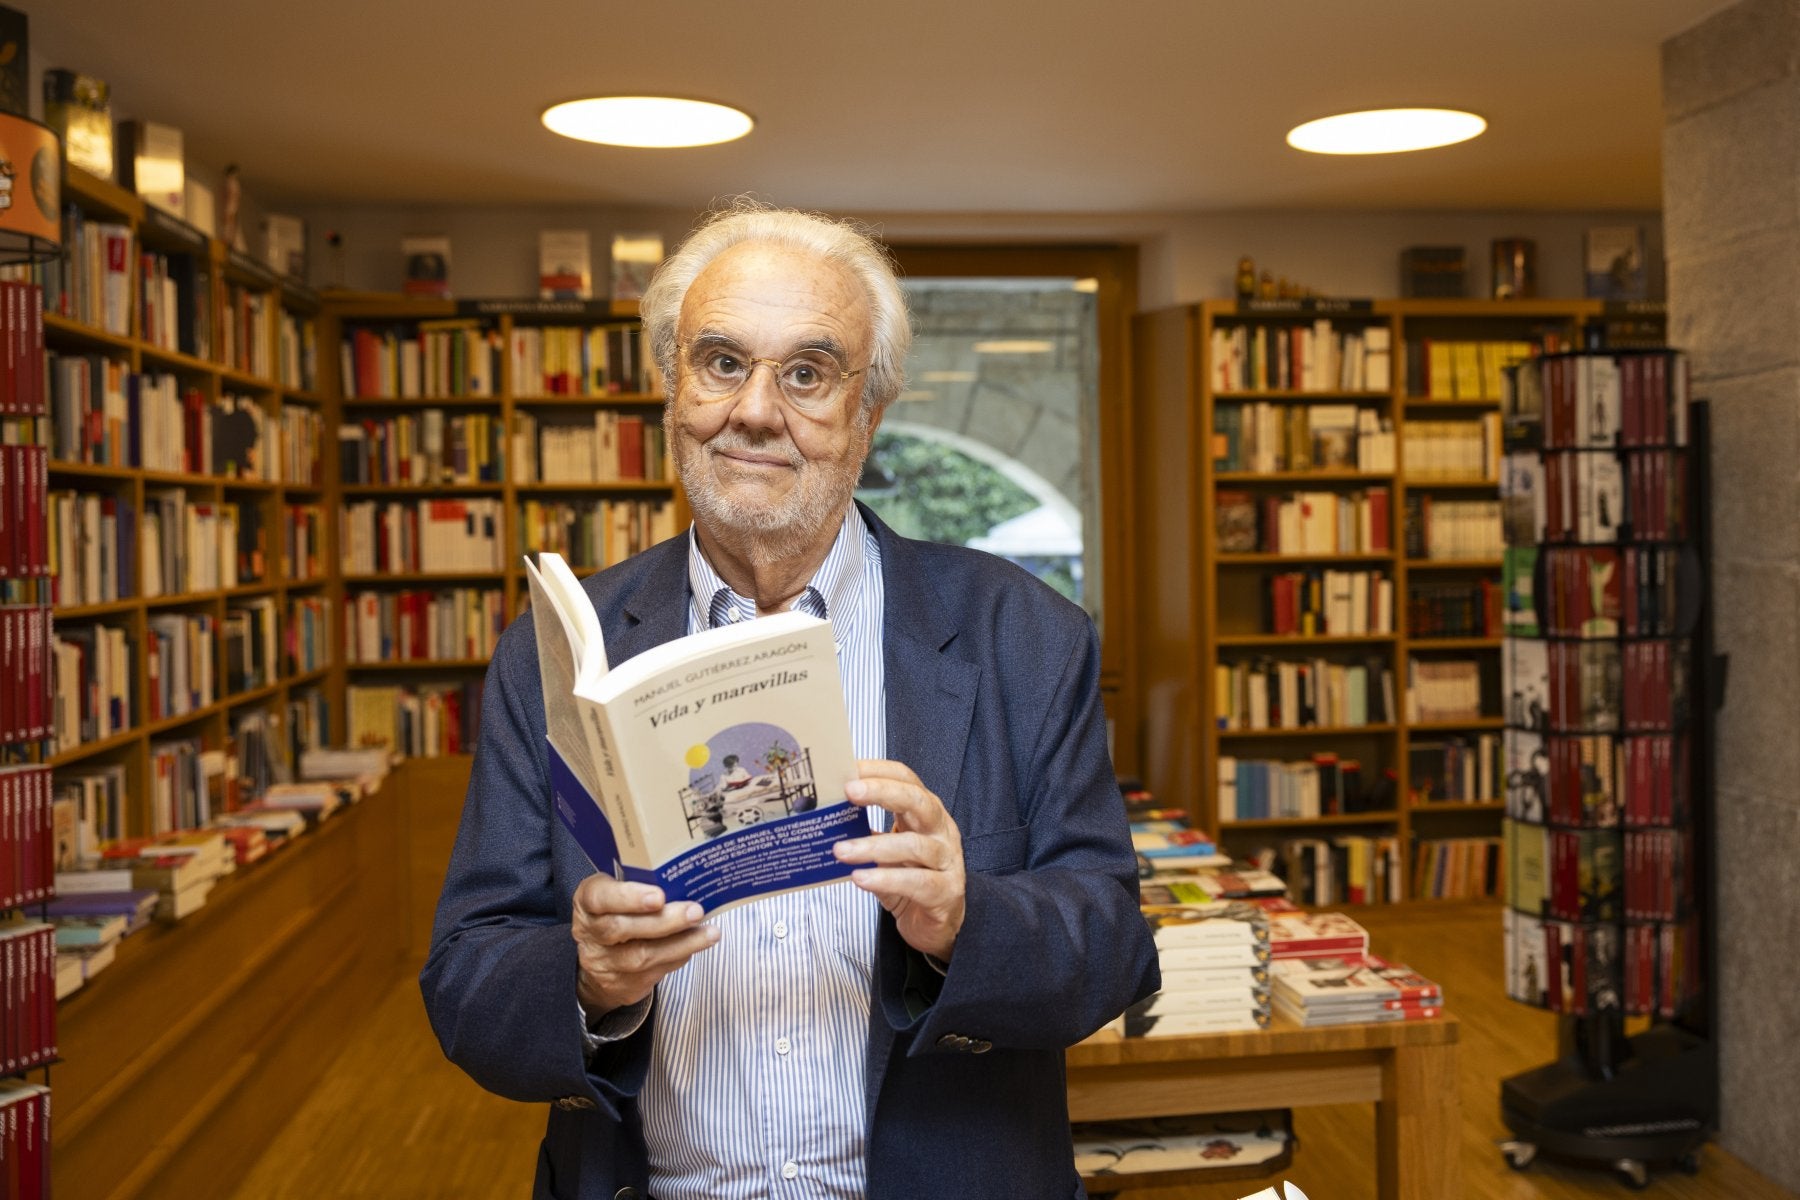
x,y
789,1170
782,1045
780,929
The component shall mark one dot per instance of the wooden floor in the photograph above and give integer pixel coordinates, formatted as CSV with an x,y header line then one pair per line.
x,y
393,1120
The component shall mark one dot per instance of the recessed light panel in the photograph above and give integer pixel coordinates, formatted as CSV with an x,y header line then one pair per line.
x,y
655,122
1386,131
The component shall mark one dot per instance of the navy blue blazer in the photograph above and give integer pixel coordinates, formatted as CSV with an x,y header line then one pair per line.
x,y
993,698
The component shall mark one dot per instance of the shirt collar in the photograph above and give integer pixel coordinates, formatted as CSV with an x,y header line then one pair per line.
x,y
835,587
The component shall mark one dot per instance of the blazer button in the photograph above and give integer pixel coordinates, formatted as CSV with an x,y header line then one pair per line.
x,y
574,1103
948,1041
981,1046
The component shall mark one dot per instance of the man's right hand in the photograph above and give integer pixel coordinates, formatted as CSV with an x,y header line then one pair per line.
x,y
626,939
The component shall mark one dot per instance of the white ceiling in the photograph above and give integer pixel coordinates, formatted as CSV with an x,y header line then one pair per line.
x,y
930,106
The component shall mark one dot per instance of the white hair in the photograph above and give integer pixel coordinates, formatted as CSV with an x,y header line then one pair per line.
x,y
839,241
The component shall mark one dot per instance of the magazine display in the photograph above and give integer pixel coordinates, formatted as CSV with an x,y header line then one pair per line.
x,y
712,766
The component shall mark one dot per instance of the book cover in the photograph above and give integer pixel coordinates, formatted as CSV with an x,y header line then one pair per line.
x,y
79,109
713,765
1614,263
634,260
565,269
150,154
426,266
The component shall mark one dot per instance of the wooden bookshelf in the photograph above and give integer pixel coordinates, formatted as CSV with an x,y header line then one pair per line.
x,y
513,403
218,288
1203,606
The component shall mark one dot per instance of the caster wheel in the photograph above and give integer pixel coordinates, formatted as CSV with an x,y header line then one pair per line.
x,y
1689,1163
1519,1155
1632,1173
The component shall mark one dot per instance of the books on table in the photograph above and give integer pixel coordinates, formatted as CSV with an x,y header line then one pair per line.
x,y
712,766
1352,990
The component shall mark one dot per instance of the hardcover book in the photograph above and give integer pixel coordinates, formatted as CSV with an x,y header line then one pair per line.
x,y
79,108
712,766
565,270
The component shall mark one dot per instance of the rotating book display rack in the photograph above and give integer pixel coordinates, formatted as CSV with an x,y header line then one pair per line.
x,y
1609,690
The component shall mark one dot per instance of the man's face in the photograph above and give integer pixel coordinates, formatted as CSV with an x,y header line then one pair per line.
x,y
754,463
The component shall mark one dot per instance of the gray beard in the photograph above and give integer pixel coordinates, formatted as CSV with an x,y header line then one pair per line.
x,y
761,536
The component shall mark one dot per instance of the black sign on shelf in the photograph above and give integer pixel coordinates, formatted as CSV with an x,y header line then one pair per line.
x,y
1315,306
524,307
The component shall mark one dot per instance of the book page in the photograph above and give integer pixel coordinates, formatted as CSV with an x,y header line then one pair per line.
x,y
559,662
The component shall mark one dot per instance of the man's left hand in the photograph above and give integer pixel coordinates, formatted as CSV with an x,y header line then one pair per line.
x,y
918,865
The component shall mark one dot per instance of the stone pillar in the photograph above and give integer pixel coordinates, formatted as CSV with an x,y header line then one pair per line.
x,y
1731,212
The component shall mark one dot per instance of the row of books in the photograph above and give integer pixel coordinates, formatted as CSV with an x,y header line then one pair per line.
x,y
1454,610
199,545
1596,687
251,648
296,353
422,361
303,542
89,412
27,834
24,532
91,282
1330,603
424,721
308,634
427,447
1600,780
595,360
1601,874
1263,438
422,626
1599,592
1457,450
1452,530
447,535
22,384
1252,789
180,663
92,666
1442,690
608,447
88,810
1350,868
1448,369
1603,401
1650,969
174,294
27,997
1316,358
1465,769
1458,868
25,1136
1303,523
246,338
26,655
594,533
1593,496
1271,693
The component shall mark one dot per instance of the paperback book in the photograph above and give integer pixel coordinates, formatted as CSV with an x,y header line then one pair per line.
x,y
712,766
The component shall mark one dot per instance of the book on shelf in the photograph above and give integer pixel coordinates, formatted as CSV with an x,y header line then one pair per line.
x,y
150,155
78,108
713,766
425,265
1613,263
565,265
634,260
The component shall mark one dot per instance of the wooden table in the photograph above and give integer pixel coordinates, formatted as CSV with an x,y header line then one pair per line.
x,y
1408,1068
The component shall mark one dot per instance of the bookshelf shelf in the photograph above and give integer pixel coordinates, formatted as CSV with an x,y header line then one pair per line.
x,y
82,612
609,400
175,360
424,490
1311,731
296,396
307,677
95,749
244,379
604,485
93,470
1302,476
1333,819
419,664
421,402
1435,807
422,576
1190,432
62,330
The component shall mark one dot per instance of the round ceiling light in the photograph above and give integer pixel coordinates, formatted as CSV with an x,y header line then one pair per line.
x,y
660,122
1386,131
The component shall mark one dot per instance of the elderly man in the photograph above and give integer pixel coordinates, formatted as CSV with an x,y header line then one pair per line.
x,y
896,1036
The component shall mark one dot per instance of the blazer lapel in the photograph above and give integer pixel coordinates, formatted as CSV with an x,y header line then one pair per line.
x,y
653,610
930,694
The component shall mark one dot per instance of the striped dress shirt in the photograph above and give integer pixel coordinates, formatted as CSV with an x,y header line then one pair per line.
x,y
755,1090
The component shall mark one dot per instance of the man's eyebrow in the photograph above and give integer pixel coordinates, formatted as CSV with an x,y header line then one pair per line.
x,y
715,338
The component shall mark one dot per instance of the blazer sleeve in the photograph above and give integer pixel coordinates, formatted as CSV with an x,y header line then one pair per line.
x,y
500,981
1052,944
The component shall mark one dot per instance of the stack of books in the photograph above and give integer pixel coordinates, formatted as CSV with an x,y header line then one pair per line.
x,y
1215,971
86,942
1352,990
180,867
1296,933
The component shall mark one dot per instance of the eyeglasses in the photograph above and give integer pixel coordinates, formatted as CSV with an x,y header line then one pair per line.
x,y
810,379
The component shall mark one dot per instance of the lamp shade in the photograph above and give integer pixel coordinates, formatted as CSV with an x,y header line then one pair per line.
x,y
30,191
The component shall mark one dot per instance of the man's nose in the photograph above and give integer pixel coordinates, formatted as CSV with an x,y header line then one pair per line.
x,y
759,402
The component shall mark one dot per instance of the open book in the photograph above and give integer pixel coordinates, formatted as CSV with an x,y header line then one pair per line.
x,y
712,766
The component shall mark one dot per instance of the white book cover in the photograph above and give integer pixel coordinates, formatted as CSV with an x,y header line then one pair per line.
x,y
713,765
